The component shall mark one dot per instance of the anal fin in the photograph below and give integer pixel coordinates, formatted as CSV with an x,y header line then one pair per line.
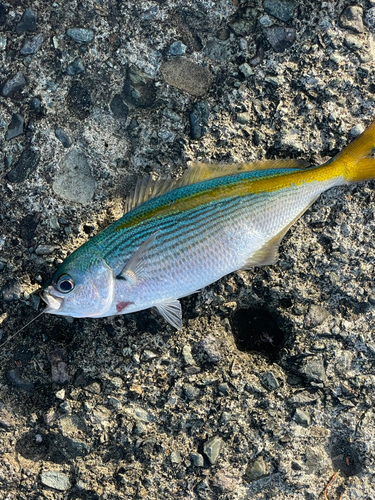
x,y
268,253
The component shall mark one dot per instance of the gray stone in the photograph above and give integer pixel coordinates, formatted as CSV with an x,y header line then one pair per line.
x,y
244,118
197,459
191,392
175,457
353,43
269,381
246,70
80,35
63,137
212,448
56,480
32,45
76,67
313,369
256,469
280,38
302,417
352,18
177,49
187,75
27,22
223,389
315,316
15,127
14,84
139,88
281,9
210,349
25,165
45,249
74,181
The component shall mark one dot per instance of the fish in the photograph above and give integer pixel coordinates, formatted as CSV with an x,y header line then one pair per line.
x,y
179,236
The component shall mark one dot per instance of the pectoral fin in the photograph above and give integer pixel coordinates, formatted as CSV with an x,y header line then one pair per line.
x,y
134,268
171,312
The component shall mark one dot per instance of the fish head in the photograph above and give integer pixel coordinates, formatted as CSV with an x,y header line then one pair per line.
x,y
80,288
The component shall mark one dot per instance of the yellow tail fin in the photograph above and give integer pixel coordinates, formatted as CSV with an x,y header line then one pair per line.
x,y
355,159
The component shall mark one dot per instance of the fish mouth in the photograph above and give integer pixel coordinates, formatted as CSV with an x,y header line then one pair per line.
x,y
53,303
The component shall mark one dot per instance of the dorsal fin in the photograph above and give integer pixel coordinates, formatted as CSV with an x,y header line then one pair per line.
x,y
147,188
200,171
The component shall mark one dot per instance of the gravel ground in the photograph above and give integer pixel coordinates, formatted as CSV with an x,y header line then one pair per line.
x,y
269,389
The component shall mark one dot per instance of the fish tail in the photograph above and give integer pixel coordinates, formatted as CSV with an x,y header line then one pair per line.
x,y
355,159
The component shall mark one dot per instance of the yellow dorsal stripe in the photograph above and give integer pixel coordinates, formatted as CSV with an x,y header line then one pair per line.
x,y
243,187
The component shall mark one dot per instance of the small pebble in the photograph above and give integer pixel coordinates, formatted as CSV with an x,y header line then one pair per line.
x,y
45,249
269,381
32,45
63,137
244,118
197,459
76,67
302,417
265,21
256,469
191,392
56,480
246,70
212,448
211,349
175,457
14,84
352,18
353,43
15,128
177,49
80,35
27,22
313,369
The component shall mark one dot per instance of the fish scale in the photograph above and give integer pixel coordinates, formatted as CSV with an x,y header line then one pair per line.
x,y
182,236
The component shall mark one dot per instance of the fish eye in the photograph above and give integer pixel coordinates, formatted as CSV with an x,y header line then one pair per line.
x,y
65,284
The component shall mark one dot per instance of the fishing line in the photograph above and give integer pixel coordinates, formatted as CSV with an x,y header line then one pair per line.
x,y
20,330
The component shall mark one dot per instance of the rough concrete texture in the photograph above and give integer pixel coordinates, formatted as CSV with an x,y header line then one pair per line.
x,y
269,389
